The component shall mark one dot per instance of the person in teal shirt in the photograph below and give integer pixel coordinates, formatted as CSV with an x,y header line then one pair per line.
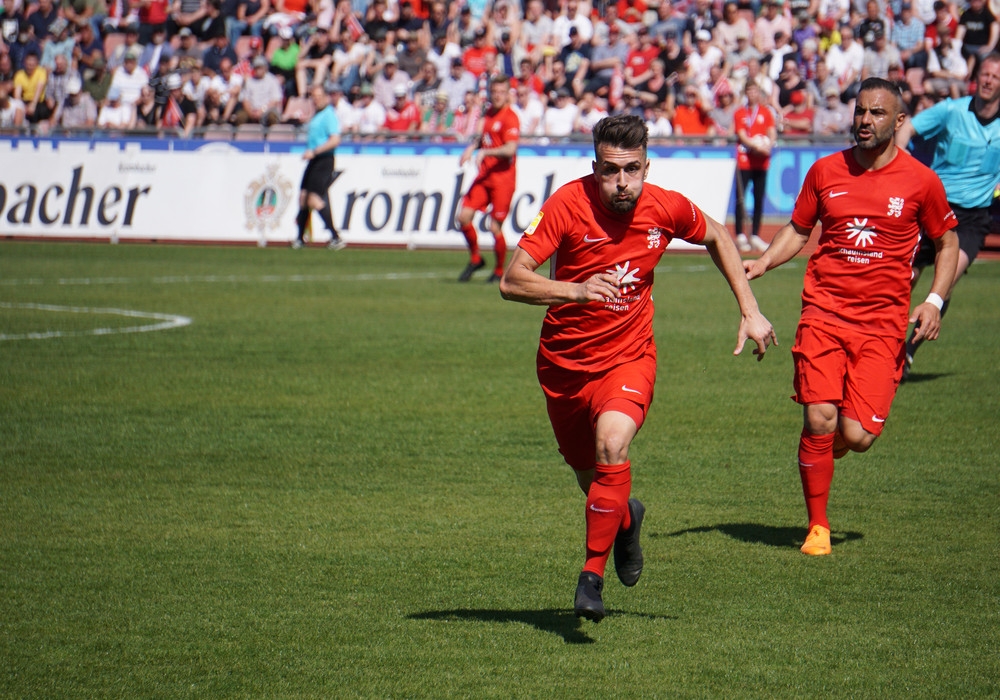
x,y
965,137
322,139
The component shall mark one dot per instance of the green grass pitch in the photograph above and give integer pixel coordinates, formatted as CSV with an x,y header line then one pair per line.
x,y
339,481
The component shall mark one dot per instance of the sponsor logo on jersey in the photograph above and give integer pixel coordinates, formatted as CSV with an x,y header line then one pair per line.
x,y
534,223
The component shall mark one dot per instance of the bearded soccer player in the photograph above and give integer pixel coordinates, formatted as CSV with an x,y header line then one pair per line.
x,y
605,234
494,151
872,200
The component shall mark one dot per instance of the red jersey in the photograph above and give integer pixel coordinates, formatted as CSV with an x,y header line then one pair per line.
x,y
583,238
859,275
499,127
155,12
402,119
752,121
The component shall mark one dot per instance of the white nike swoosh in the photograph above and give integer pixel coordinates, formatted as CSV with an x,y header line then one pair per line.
x,y
588,239
630,390
601,510
836,194
876,419
803,464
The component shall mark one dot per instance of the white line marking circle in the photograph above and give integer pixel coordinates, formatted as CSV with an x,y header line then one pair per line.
x,y
165,321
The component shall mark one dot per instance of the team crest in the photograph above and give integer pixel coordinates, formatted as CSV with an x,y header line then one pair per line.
x,y
895,206
266,199
654,238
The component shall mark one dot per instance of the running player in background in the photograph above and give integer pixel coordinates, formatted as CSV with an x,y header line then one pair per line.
x,y
597,357
873,200
494,150
965,134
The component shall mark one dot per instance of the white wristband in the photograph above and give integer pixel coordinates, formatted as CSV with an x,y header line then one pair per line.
x,y
935,299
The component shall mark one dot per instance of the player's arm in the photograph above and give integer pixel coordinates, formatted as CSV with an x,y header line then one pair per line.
x,y
521,282
905,133
473,143
786,244
927,316
753,325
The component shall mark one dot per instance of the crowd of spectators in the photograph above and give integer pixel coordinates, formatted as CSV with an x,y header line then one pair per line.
x,y
424,66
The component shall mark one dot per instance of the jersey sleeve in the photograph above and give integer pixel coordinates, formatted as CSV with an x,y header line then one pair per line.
x,y
689,221
935,215
544,234
512,127
806,211
932,121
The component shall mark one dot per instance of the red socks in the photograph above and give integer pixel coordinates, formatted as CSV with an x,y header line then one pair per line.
x,y
607,512
500,249
472,240
816,472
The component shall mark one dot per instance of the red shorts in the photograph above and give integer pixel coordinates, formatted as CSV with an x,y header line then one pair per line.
x,y
495,191
857,372
575,399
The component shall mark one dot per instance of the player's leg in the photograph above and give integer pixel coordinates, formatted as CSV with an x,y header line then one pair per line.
x,y
501,194
476,199
742,242
759,190
820,366
302,218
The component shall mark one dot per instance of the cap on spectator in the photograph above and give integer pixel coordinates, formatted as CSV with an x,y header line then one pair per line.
x,y
366,89
335,87
906,6
74,85
256,42
703,35
114,93
174,82
441,95
286,33
939,5
98,63
185,31
797,97
58,26
831,91
742,32
456,63
466,10
132,54
670,34
563,92
259,62
399,91
573,31
879,34
391,58
480,33
132,28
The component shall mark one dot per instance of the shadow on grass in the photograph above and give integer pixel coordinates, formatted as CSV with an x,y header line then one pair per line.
x,y
559,622
755,533
918,377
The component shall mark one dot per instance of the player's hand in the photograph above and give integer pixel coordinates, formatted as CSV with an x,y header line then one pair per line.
x,y
754,269
927,322
757,328
600,287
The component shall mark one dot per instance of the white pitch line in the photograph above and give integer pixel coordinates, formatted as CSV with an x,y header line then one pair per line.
x,y
227,279
166,321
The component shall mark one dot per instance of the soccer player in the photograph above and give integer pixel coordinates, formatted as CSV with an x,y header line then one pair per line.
x,y
605,234
322,139
965,135
494,150
872,199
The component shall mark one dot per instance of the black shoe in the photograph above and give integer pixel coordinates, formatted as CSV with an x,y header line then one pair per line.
x,y
588,601
493,278
907,364
628,553
471,269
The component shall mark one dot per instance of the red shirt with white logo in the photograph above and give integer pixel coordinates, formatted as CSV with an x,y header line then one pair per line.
x,y
499,127
752,121
859,275
583,238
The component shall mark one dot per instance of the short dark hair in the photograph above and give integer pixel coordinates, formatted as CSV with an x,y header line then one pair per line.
x,y
879,84
626,131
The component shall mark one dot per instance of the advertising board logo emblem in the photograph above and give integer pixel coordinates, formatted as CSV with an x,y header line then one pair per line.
x,y
266,199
